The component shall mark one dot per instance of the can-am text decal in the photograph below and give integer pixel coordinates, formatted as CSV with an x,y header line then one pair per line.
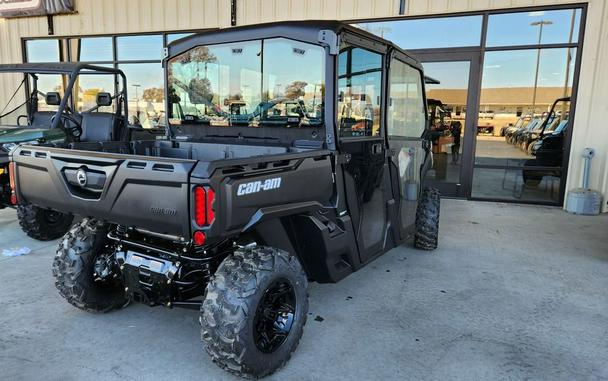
x,y
258,186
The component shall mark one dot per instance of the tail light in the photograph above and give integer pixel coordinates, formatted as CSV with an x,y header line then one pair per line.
x,y
204,215
11,176
200,206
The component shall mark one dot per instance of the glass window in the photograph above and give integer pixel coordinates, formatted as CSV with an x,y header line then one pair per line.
x,y
429,33
222,85
46,83
91,49
515,100
89,85
307,87
145,47
42,50
146,96
531,28
359,91
405,115
517,184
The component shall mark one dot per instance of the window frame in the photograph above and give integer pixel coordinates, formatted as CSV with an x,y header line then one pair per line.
x,y
375,47
407,61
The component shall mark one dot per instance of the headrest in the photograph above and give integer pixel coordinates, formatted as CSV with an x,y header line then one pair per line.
x,y
52,98
104,99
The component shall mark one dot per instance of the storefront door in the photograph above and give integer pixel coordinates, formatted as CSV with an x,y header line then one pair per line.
x,y
453,113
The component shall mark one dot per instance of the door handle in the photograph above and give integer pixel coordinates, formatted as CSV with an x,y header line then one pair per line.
x,y
376,148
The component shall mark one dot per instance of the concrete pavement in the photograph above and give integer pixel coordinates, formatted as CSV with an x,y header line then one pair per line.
x,y
514,292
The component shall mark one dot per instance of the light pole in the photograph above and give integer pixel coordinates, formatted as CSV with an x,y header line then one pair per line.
x,y
540,23
137,101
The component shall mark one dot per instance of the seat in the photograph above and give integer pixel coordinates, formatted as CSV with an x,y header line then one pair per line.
x,y
99,129
42,119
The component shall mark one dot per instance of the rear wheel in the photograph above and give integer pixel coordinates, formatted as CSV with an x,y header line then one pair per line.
x,y
43,224
254,311
427,220
85,270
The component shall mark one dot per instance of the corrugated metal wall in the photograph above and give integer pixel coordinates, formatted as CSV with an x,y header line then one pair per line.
x,y
132,16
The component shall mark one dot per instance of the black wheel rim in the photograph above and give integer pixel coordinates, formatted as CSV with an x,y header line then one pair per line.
x,y
274,316
52,217
105,271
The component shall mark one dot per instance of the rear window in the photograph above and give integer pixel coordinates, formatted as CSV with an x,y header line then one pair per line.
x,y
262,83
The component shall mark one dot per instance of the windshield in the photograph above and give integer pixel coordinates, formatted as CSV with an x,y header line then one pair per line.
x,y
274,82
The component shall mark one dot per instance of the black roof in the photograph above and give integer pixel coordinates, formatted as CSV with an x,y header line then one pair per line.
x,y
305,30
56,68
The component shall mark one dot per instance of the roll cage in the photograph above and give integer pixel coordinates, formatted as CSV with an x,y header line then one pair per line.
x,y
71,71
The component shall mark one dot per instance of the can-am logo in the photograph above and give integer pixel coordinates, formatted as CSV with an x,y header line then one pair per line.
x,y
258,186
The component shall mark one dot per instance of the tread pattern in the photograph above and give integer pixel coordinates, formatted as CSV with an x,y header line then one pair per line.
x,y
73,269
230,305
427,220
32,222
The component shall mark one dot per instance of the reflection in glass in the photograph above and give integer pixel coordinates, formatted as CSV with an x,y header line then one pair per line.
x,y
518,89
429,33
447,104
517,184
530,28
223,84
359,91
91,49
145,47
42,50
146,93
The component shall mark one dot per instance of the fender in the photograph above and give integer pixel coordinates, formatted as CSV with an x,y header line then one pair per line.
x,y
268,213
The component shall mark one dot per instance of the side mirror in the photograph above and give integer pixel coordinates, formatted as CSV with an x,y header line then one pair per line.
x,y
52,98
104,99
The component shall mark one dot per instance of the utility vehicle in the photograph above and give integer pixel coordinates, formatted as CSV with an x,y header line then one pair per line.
x,y
236,219
49,116
548,151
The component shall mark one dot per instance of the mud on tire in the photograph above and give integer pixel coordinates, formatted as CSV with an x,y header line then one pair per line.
x,y
43,224
235,305
79,256
427,220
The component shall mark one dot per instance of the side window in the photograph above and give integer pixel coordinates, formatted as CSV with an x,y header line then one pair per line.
x,y
359,91
405,115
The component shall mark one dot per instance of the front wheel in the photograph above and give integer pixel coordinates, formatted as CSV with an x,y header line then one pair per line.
x,y
85,270
254,311
427,220
43,224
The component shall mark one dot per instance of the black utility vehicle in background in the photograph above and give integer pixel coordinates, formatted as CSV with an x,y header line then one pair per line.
x,y
49,116
233,215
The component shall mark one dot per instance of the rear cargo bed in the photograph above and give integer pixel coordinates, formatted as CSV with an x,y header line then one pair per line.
x,y
147,192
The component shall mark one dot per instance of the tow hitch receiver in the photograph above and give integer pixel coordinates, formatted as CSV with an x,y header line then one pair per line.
x,y
147,279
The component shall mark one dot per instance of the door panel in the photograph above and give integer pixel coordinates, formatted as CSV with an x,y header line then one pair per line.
x,y
406,158
365,172
362,145
453,108
406,126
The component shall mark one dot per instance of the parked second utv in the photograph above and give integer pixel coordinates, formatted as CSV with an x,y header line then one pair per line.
x,y
235,215
52,119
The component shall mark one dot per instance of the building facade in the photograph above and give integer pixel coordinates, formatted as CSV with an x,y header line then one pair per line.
x,y
500,69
